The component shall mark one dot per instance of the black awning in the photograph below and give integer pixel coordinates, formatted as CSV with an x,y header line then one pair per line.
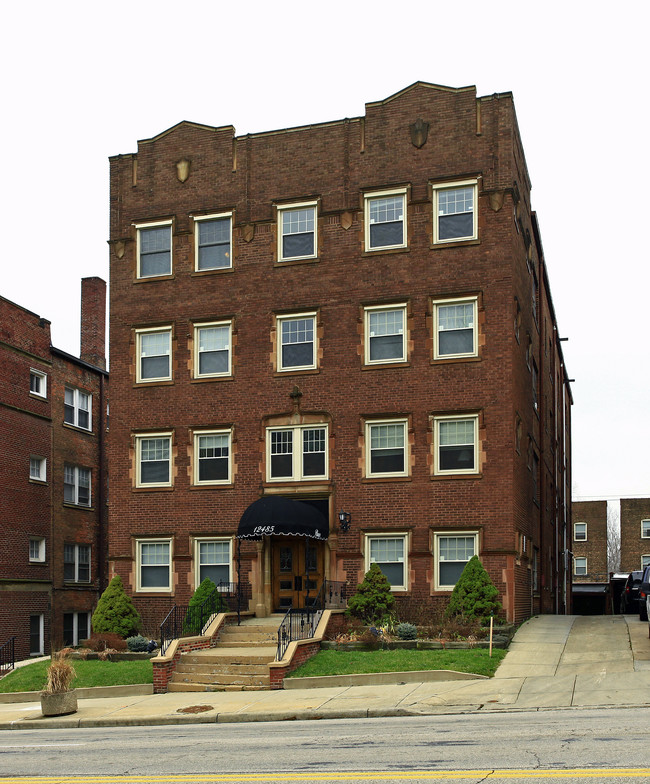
x,y
275,515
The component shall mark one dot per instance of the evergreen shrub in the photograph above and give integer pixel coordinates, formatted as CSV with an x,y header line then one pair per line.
x,y
137,643
475,596
406,631
373,600
115,612
206,593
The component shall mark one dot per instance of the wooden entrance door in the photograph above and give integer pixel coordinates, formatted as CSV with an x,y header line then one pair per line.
x,y
297,568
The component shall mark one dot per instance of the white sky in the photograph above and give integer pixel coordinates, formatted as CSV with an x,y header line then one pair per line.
x,y
83,81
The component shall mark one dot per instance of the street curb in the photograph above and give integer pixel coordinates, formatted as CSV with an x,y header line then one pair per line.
x,y
133,690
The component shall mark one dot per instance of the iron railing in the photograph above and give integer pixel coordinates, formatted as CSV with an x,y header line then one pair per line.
x,y
7,656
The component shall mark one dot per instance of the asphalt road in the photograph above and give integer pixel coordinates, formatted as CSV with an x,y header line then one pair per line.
x,y
570,745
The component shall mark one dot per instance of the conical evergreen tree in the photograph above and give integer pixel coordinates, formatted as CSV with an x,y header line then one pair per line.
x,y
206,593
474,596
373,599
115,612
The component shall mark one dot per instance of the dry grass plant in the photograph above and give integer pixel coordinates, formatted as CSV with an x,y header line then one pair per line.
x,y
60,674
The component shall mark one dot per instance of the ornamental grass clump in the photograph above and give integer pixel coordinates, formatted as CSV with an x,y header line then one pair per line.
x,y
60,674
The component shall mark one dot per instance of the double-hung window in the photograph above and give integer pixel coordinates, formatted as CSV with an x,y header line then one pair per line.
x,y
645,529
38,468
153,460
297,238
212,457
454,212
580,566
454,328
385,331
213,242
297,453
76,563
386,449
38,383
385,220
213,560
36,549
77,408
580,532
456,445
154,249
296,342
153,348
154,565
212,355
76,627
452,551
76,485
390,554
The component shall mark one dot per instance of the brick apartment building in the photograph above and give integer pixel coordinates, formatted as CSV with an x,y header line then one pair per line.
x,y
52,476
635,533
589,545
355,315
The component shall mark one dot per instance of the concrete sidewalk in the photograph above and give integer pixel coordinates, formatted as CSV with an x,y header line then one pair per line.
x,y
553,662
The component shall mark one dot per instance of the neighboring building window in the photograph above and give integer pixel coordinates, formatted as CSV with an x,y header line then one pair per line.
x,y
76,627
645,561
454,212
212,457
213,559
153,459
580,566
154,566
386,449
37,549
153,349
77,408
36,635
297,453
154,250
456,445
534,381
37,383
76,485
390,554
535,574
384,217
296,336
455,328
385,331
451,552
580,532
645,529
212,349
212,242
76,563
38,468
297,232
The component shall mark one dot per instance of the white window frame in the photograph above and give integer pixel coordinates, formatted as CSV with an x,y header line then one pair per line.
x,y
155,225
370,425
76,548
37,549
37,468
388,194
437,188
139,438
577,538
389,536
41,634
645,529
371,310
197,348
437,304
645,560
437,537
139,334
197,557
283,209
279,321
42,379
76,485
77,398
297,474
198,434
140,588
76,636
582,561
198,220
437,420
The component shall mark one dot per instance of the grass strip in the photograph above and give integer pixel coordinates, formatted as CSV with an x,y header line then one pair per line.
x,y
32,677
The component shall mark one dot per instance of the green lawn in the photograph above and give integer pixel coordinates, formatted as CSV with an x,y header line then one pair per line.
x,y
32,677
332,662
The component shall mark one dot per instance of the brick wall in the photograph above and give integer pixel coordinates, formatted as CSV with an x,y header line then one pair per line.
x,y
594,514
633,544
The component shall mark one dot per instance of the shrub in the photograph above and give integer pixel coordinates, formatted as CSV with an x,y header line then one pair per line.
x,y
101,642
137,643
406,631
115,612
372,601
60,674
474,595
208,596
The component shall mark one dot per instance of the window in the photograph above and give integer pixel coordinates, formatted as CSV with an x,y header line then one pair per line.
x,y
645,529
454,212
212,457
533,379
386,449
154,250
213,559
384,220
297,232
77,409
385,335
212,349
76,563
297,453
580,566
76,485
580,532
37,549
37,383
456,440
76,627
451,552
455,328
212,242
535,472
296,342
153,459
390,554
153,348
645,561
36,625
38,468
154,565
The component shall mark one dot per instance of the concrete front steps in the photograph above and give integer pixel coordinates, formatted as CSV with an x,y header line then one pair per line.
x,y
239,662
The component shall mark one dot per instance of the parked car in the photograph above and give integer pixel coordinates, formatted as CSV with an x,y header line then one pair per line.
x,y
644,593
630,595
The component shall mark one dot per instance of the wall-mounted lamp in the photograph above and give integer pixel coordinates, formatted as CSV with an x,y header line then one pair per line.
x,y
345,518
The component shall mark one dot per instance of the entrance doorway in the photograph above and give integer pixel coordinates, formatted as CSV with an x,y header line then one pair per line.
x,y
297,571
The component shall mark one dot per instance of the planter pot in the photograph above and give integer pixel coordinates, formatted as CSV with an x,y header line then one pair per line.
x,y
58,704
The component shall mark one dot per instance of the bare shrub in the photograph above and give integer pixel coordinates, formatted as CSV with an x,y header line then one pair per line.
x,y
60,674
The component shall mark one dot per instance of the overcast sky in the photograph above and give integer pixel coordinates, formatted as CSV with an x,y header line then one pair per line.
x,y
83,81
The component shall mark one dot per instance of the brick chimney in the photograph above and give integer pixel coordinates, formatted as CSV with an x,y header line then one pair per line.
x,y
93,321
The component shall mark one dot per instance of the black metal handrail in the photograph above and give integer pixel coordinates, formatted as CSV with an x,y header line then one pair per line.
x,y
7,655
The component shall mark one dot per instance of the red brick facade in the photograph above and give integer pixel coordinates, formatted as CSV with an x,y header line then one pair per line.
x,y
502,405
589,542
635,533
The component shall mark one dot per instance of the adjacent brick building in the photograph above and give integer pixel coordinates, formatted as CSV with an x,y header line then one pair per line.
x,y
589,542
354,314
52,476
635,533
